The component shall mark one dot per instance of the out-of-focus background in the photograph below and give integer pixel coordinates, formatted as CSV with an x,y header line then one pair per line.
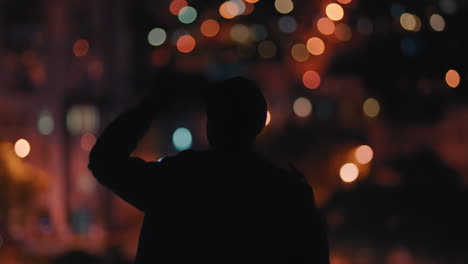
x,y
367,98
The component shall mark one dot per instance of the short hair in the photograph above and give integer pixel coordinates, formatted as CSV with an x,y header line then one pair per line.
x,y
237,107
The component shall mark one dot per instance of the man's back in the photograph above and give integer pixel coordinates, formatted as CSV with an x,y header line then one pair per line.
x,y
226,207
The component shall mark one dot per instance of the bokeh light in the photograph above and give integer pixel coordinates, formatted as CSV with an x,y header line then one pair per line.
x,y
240,6
160,57
315,46
302,107
344,2
371,107
364,154
252,1
157,36
209,28
87,141
334,11
311,79
45,122
287,24
326,26
182,139
228,10
185,43
81,47
349,172
284,6
300,53
187,15
343,32
452,78
267,49
437,22
176,6
410,22
241,33
22,148
268,118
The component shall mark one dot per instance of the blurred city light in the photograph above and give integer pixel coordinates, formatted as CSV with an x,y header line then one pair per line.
x,y
182,139
437,22
210,28
284,6
371,107
45,122
22,148
252,1
228,10
311,79
187,15
157,36
267,49
343,32
452,78
240,6
81,47
287,24
82,118
87,141
186,44
344,2
176,6
410,22
302,107
315,46
334,11
326,26
349,172
364,154
300,53
268,118
241,33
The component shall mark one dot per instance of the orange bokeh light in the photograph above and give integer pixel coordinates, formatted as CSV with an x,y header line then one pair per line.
x,y
87,141
185,43
349,172
344,2
209,28
81,47
311,79
252,1
334,11
268,118
364,154
315,46
176,6
452,78
326,26
228,10
160,57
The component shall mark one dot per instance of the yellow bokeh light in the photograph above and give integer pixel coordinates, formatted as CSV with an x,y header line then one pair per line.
x,y
268,118
315,46
410,22
311,79
452,78
241,33
284,6
209,28
371,107
364,154
437,22
334,11
349,172
22,148
326,26
228,10
299,52
302,107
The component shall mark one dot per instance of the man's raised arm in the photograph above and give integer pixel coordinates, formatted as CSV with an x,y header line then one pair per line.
x,y
110,161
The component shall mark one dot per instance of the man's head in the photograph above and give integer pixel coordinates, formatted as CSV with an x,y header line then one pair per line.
x,y
236,111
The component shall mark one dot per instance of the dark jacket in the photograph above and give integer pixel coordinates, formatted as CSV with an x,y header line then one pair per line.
x,y
211,206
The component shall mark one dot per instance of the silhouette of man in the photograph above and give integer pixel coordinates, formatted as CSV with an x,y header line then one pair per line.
x,y
222,205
